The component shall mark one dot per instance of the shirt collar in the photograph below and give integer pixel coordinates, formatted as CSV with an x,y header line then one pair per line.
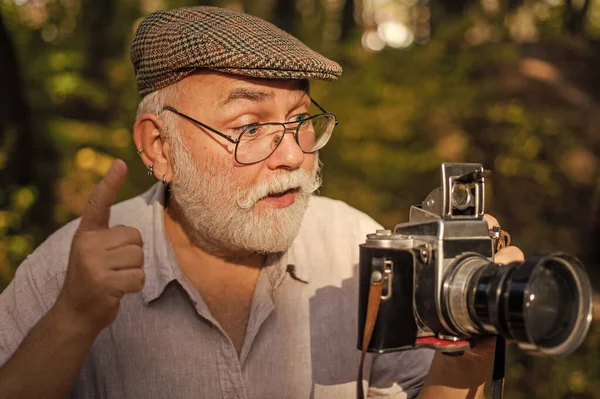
x,y
159,264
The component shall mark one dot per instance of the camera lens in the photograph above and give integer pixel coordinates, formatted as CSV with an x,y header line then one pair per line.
x,y
543,304
549,304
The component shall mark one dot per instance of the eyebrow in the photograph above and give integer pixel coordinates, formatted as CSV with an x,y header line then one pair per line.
x,y
243,93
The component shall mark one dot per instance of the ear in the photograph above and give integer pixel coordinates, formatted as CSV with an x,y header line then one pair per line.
x,y
154,150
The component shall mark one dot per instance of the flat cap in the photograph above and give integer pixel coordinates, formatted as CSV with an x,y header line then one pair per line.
x,y
169,45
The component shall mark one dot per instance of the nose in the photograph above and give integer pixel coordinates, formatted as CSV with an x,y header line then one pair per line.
x,y
288,154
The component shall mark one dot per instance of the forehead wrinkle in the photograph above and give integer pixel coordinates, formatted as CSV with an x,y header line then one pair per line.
x,y
245,93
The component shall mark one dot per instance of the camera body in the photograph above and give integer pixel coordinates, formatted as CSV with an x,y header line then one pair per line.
x,y
440,286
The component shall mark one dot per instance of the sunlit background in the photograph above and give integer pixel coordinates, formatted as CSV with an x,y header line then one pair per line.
x,y
513,84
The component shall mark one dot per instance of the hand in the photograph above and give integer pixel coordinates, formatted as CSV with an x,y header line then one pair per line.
x,y
464,376
104,263
483,351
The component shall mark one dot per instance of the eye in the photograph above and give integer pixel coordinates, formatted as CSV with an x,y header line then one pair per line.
x,y
300,117
252,130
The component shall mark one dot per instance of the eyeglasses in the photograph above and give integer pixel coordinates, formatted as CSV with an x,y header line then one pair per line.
x,y
256,142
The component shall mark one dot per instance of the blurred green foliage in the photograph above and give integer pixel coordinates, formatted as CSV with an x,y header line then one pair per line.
x,y
510,84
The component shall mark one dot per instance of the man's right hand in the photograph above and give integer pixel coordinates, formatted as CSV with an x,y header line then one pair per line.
x,y
104,263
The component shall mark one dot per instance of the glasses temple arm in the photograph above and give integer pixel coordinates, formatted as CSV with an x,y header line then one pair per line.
x,y
322,109
189,118
317,104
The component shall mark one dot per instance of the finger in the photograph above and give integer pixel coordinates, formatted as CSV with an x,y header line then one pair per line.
x,y
127,281
97,210
119,236
491,221
509,255
482,346
130,256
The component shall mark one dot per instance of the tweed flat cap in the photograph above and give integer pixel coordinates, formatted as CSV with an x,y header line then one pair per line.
x,y
169,45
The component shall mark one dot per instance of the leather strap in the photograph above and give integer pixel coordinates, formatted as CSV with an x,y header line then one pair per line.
x,y
503,240
375,290
373,302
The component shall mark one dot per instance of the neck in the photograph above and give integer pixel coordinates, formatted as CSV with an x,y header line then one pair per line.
x,y
226,283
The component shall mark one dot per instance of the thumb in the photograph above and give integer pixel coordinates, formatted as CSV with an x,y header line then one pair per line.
x,y
508,255
97,210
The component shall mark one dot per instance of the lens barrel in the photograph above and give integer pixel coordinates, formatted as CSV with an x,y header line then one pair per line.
x,y
543,304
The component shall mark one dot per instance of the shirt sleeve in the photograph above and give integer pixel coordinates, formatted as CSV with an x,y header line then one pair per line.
x,y
399,374
20,309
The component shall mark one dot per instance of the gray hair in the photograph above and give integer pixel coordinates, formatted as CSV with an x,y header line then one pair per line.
x,y
155,102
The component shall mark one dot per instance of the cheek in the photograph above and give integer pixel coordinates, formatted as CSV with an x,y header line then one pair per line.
x,y
246,175
208,157
309,162
194,143
201,142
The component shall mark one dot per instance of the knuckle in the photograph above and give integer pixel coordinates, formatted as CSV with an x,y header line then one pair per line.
x,y
492,221
510,254
119,228
136,280
138,255
517,253
141,280
131,233
136,234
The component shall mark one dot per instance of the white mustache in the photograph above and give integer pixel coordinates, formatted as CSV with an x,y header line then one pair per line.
x,y
296,179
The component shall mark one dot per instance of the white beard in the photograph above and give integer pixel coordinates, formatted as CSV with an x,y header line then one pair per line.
x,y
225,217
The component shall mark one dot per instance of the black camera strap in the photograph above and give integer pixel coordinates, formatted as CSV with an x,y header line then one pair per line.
x,y
502,241
499,366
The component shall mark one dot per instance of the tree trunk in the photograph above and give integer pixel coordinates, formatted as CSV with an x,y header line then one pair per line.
x,y
98,18
575,17
453,7
284,15
31,158
348,22
14,117
444,10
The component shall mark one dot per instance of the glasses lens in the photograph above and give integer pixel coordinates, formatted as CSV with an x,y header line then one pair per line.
x,y
315,132
258,142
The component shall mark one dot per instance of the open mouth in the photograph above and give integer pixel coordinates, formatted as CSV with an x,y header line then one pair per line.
x,y
279,195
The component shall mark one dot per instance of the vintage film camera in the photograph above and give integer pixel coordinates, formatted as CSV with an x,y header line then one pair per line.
x,y
440,286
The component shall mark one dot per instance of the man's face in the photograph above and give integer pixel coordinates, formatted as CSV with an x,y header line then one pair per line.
x,y
230,208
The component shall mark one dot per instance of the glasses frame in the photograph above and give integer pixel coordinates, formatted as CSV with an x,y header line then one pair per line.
x,y
237,141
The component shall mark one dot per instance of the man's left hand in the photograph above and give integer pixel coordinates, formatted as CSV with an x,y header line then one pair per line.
x,y
483,350
464,376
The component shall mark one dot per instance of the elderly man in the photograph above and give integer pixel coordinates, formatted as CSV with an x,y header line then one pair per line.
x,y
227,279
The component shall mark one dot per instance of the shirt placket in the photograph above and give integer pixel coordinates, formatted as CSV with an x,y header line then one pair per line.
x,y
230,373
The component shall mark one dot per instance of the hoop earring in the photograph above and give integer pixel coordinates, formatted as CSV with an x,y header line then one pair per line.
x,y
164,180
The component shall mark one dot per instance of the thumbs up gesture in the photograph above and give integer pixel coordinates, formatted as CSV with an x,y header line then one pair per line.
x,y
104,263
